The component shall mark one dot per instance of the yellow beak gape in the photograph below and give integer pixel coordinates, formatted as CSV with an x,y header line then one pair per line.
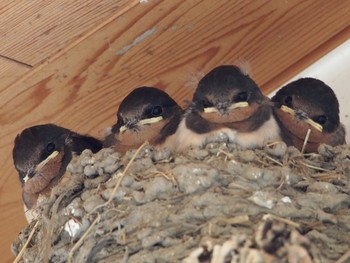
x,y
314,124
233,106
143,122
42,164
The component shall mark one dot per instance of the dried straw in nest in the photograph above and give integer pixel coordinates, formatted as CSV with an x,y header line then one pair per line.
x,y
216,204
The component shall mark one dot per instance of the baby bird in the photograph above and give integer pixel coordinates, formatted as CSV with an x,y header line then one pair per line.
x,y
41,154
146,114
304,104
227,100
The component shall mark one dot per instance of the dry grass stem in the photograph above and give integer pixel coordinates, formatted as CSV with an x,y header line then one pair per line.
x,y
20,254
274,160
284,220
264,164
273,143
314,167
227,154
306,140
121,177
241,187
344,257
169,177
210,228
81,240
325,177
49,224
281,184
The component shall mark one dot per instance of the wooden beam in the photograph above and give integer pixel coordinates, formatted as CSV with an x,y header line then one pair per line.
x,y
168,44
32,31
11,70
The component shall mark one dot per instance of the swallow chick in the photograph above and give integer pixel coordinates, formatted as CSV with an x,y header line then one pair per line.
x,y
41,154
308,104
227,100
146,114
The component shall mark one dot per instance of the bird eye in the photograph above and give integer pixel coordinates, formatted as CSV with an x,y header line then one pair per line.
x,y
322,119
157,111
50,147
288,101
206,103
242,96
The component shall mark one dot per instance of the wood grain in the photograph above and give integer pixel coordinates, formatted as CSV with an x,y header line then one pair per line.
x,y
168,44
32,31
10,71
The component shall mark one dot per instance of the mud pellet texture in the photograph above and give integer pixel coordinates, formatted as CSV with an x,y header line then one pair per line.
x,y
217,203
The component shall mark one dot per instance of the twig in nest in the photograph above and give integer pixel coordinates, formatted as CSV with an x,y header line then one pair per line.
x,y
126,255
344,257
273,160
282,183
264,164
314,167
311,154
81,240
294,163
273,143
236,185
210,228
48,224
284,220
20,254
227,155
306,140
325,177
168,177
121,177
57,202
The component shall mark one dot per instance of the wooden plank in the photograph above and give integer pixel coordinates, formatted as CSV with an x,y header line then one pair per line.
x,y
11,71
32,31
168,44
308,59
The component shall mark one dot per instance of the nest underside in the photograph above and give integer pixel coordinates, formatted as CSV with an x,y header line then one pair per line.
x,y
218,203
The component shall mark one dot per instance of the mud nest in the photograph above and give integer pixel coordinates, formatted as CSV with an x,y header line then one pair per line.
x,y
219,203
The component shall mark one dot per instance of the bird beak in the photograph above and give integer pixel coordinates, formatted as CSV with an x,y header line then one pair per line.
x,y
150,120
141,122
130,124
304,117
44,162
231,107
26,178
